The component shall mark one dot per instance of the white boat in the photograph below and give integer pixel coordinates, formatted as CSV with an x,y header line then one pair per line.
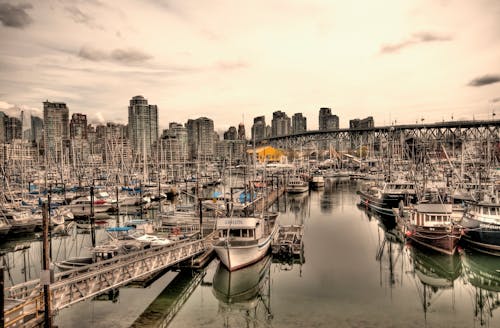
x,y
82,206
317,181
244,240
296,185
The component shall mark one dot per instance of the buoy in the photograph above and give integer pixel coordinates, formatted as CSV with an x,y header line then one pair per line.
x,y
408,233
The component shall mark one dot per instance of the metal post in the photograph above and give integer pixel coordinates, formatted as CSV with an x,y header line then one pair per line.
x,y
92,218
2,297
45,276
201,217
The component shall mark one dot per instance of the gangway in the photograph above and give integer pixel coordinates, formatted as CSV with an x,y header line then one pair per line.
x,y
70,287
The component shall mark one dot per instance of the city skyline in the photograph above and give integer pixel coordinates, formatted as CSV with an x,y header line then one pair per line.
x,y
226,60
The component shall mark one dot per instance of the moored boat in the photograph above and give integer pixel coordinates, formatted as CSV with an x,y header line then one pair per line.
x,y
482,226
431,225
244,240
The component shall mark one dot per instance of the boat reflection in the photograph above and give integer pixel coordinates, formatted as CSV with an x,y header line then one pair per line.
x,y
482,271
436,273
244,295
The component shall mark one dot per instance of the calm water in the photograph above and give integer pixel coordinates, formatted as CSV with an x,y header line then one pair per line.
x,y
355,274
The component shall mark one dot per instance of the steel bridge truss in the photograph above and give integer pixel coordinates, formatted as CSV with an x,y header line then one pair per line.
x,y
448,132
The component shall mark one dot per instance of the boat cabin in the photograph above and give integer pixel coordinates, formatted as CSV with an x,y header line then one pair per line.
x,y
432,215
239,228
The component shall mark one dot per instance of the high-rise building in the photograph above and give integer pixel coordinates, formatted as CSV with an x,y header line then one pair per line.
x,y
36,129
231,134
3,127
362,123
328,121
142,125
115,144
56,129
14,129
281,124
241,132
78,126
259,130
174,144
201,138
299,123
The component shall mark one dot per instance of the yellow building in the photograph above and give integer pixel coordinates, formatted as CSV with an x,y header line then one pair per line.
x,y
267,154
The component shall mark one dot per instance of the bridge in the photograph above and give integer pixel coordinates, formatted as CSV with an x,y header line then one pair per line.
x,y
449,132
70,287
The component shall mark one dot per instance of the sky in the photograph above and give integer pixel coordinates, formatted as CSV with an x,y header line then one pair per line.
x,y
230,60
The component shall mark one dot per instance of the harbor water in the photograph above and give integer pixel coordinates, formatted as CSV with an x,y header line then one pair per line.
x,y
356,271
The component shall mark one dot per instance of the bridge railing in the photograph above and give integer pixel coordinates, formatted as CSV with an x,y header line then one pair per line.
x,y
33,287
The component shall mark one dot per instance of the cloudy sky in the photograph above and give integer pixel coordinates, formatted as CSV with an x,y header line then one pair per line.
x,y
232,60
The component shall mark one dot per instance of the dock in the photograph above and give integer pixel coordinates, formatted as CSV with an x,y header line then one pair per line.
x,y
70,287
289,243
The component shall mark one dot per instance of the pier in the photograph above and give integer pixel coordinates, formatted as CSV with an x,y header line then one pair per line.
x,y
70,287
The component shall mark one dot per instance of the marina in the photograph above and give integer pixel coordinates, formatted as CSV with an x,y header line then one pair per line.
x,y
434,286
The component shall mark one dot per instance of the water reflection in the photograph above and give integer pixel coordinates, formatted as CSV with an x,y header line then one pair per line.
x,y
244,295
436,274
482,271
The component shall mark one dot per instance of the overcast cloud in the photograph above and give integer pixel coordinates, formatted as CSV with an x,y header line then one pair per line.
x,y
232,60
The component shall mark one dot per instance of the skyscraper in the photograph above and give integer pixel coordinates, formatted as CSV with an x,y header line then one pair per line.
x,y
299,123
14,129
280,124
231,134
78,126
56,129
241,132
201,138
142,125
259,128
36,129
327,121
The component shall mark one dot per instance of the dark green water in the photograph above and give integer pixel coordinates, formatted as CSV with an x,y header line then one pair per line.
x,y
356,274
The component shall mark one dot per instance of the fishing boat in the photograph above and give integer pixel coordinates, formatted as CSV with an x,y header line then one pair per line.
x,y
382,199
482,225
431,225
296,185
244,240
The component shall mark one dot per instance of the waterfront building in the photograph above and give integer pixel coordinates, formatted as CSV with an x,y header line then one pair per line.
x,y
266,154
280,124
259,130
142,125
327,121
201,139
56,130
299,123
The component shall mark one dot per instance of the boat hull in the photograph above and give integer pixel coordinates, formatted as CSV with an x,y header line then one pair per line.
x,y
235,257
